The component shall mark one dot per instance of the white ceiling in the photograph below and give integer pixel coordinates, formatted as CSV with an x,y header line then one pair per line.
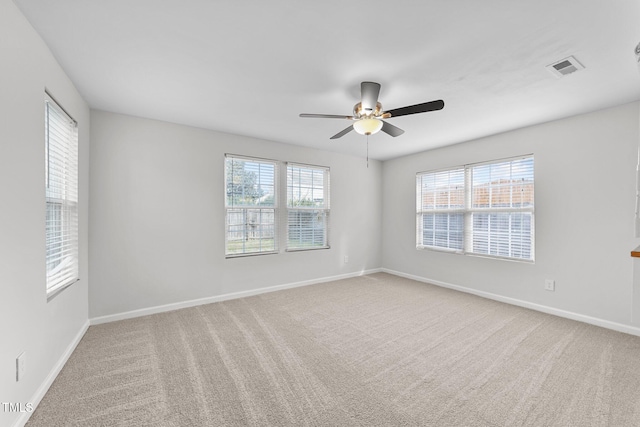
x,y
249,67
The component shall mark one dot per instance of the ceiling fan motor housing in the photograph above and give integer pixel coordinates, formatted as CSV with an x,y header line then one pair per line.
x,y
360,112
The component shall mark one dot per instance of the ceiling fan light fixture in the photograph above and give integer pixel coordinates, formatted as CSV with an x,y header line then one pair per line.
x,y
367,126
368,113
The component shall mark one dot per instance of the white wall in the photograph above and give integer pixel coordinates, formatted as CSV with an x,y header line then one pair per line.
x,y
584,218
44,330
157,216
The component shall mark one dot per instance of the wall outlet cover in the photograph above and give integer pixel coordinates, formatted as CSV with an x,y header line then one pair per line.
x,y
21,366
550,284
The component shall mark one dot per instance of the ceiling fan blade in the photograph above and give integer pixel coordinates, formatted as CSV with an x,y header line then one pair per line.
x,y
342,133
418,108
391,129
325,116
370,92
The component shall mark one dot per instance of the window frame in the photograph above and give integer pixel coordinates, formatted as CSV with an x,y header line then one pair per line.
x,y
275,207
436,211
468,210
325,210
64,197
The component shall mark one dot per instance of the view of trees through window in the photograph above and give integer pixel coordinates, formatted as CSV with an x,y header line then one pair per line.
x,y
251,206
252,212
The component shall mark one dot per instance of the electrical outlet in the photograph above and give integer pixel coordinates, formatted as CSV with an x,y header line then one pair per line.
x,y
346,259
21,366
550,284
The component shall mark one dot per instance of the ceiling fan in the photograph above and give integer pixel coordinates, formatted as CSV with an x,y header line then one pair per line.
x,y
368,114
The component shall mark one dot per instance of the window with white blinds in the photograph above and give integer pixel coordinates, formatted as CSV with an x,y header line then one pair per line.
x,y
251,206
501,211
441,210
307,207
484,209
61,193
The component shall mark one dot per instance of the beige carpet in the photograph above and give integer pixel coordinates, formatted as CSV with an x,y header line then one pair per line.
x,y
370,351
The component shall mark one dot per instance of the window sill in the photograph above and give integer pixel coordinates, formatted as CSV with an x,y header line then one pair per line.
x,y
52,293
472,254
445,250
230,256
307,249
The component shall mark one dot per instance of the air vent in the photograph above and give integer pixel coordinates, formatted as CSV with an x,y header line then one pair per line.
x,y
565,66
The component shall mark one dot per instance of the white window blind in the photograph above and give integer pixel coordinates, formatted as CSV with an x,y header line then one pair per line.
x,y
484,209
307,207
251,206
501,211
440,203
61,193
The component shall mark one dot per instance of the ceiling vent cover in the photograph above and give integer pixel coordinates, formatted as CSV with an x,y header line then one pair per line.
x,y
565,66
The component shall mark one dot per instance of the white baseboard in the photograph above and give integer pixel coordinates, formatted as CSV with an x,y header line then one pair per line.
x,y
620,327
224,297
44,387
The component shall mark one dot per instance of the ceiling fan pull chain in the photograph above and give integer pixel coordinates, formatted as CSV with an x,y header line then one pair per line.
x,y
367,151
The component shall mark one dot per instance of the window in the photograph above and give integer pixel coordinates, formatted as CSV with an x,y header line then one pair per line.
x,y
441,209
484,209
61,194
251,206
307,207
